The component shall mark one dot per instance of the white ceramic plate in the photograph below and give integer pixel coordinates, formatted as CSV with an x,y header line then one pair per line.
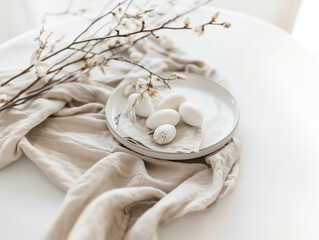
x,y
216,103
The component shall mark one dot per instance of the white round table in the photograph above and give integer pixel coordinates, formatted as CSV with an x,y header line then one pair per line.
x,y
277,196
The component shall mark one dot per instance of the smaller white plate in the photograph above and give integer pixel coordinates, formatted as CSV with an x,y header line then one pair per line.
x,y
216,103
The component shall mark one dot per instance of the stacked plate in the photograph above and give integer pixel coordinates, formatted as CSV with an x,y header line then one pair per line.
x,y
215,102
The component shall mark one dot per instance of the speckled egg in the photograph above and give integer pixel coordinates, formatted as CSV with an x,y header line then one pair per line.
x,y
172,101
190,114
161,117
144,108
164,134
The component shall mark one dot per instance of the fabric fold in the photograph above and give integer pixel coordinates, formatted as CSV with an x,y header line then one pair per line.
x,y
112,192
100,204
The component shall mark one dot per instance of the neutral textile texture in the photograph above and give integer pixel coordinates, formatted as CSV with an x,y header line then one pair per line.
x,y
187,139
112,192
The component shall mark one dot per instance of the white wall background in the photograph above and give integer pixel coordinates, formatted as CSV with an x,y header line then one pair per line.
x,y
306,29
296,16
278,12
18,16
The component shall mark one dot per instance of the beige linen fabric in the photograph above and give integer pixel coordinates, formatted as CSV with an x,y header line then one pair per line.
x,y
112,193
187,139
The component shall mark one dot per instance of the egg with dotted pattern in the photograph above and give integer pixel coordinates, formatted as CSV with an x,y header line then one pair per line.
x,y
164,134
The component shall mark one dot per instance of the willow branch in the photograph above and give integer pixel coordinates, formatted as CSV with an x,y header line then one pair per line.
x,y
65,48
121,59
53,73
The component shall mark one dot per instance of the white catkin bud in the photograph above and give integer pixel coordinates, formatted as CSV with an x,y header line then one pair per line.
x,y
104,45
96,60
155,79
35,56
153,92
39,71
198,30
141,84
198,2
136,56
215,16
84,77
111,42
178,76
129,40
187,21
226,25
129,90
3,98
121,41
115,17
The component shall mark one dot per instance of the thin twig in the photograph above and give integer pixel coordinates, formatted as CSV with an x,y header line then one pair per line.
x,y
53,73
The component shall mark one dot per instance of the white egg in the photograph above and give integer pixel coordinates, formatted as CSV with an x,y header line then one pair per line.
x,y
191,114
161,117
144,108
164,134
172,101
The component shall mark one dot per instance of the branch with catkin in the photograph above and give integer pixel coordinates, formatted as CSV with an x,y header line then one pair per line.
x,y
106,38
